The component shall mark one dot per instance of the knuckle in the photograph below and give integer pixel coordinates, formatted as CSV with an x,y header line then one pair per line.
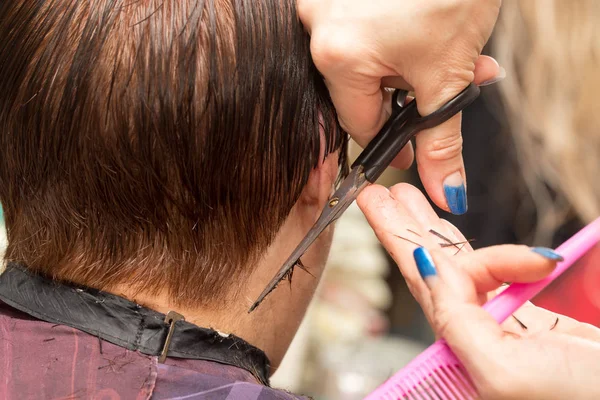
x,y
443,80
443,149
333,48
304,9
311,12
402,189
443,319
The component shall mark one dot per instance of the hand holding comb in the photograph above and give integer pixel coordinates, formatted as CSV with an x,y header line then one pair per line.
x,y
438,374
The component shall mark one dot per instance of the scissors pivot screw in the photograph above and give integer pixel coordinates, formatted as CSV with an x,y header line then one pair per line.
x,y
333,202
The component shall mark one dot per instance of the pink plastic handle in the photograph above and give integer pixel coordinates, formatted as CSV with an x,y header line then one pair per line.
x,y
509,301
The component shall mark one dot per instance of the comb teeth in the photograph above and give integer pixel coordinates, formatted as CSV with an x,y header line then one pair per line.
x,y
435,375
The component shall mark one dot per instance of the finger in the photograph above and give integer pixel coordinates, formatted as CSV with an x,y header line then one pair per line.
x,y
434,89
360,102
465,247
490,267
431,229
395,226
439,150
437,232
395,82
458,234
469,330
357,96
401,219
309,11
338,55
440,165
417,204
399,234
487,71
359,107
405,158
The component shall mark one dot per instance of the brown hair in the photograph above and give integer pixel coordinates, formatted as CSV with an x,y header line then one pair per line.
x,y
160,143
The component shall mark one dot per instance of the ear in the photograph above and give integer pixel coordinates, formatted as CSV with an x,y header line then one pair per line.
x,y
321,181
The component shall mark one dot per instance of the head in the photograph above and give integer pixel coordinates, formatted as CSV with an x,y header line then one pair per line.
x,y
551,51
171,151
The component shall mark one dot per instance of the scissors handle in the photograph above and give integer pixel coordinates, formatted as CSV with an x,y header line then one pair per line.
x,y
382,150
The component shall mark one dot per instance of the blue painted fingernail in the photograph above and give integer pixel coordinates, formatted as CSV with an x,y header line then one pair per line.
x,y
424,262
547,253
456,193
501,75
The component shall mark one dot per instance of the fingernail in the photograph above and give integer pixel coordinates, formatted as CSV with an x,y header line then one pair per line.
x,y
501,75
456,193
424,262
547,253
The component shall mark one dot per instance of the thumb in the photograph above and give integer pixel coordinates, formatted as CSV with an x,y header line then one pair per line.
x,y
439,150
469,330
433,88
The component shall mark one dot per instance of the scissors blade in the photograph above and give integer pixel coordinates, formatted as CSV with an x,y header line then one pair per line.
x,y
348,191
403,124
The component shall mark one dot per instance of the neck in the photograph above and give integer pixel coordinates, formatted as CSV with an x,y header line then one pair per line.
x,y
272,326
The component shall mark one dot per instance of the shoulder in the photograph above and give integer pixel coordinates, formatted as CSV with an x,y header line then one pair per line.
x,y
182,383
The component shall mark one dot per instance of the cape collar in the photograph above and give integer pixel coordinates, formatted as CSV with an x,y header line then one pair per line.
x,y
124,323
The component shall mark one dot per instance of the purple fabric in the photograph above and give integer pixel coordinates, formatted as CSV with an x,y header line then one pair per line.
x,y
40,360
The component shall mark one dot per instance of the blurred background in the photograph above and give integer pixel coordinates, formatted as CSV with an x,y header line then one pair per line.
x,y
531,150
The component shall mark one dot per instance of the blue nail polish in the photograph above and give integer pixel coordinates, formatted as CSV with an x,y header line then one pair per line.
x,y
424,262
547,253
456,197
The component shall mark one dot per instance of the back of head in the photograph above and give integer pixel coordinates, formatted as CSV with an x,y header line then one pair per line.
x,y
155,143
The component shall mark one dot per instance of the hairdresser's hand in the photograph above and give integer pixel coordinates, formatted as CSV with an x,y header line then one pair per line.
x,y
558,363
430,46
403,219
555,357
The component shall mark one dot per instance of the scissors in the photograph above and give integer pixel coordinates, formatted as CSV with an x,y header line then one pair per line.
x,y
404,123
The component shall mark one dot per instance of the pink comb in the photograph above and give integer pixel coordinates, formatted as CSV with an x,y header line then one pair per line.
x,y
438,374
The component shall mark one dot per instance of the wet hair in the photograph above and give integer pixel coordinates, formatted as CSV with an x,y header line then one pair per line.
x,y
156,143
